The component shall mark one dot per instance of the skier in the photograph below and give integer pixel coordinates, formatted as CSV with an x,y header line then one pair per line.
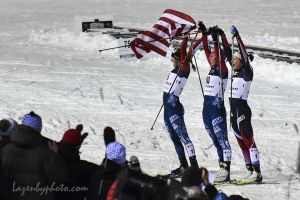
x,y
214,112
240,113
174,111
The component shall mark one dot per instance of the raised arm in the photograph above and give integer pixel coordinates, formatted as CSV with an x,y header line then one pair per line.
x,y
241,45
226,46
184,60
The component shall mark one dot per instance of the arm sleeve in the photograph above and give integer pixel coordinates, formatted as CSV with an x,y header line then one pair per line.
x,y
243,50
205,47
184,60
227,49
195,47
248,69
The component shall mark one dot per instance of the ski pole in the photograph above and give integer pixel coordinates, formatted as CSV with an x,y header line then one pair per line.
x,y
157,116
197,67
127,45
231,80
198,75
220,66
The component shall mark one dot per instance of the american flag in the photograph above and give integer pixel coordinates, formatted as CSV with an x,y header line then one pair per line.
x,y
171,24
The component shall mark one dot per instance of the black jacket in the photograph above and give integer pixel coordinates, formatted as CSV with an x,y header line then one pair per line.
x,y
102,179
30,163
80,172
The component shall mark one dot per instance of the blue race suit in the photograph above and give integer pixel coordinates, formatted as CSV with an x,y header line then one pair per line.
x,y
214,112
173,109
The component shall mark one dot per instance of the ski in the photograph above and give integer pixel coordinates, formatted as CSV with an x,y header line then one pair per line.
x,y
242,182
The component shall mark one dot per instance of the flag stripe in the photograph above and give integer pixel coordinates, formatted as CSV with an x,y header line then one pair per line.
x,y
180,15
152,47
171,24
162,28
153,37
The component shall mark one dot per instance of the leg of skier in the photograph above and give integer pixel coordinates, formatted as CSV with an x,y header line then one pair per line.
x,y
245,128
214,119
177,144
238,135
180,129
220,131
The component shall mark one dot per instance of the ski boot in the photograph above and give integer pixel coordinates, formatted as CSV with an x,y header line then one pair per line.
x,y
223,175
193,161
178,172
249,171
255,177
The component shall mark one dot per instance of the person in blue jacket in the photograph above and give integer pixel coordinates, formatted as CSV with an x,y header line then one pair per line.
x,y
174,111
214,112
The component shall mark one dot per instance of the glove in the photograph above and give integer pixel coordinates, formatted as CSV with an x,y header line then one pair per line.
x,y
79,127
201,27
220,31
214,37
234,31
210,30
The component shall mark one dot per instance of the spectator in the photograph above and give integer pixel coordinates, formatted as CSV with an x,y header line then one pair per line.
x,y
115,157
194,176
29,162
6,125
80,170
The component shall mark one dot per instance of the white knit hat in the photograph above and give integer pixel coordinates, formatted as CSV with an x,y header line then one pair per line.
x,y
238,55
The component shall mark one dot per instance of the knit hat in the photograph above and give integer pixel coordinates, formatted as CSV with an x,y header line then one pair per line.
x,y
238,55
7,125
33,120
72,136
109,135
116,152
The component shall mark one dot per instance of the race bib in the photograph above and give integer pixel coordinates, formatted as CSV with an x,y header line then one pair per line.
x,y
190,149
227,155
240,88
214,86
178,85
254,155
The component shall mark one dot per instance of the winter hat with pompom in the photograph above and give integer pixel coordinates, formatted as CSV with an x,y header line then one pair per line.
x,y
33,120
116,152
72,136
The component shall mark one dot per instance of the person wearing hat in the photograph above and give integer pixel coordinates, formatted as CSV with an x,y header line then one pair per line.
x,y
6,126
80,170
240,113
29,162
115,158
214,112
174,111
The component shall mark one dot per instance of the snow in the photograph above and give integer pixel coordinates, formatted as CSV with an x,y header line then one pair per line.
x,y
47,67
